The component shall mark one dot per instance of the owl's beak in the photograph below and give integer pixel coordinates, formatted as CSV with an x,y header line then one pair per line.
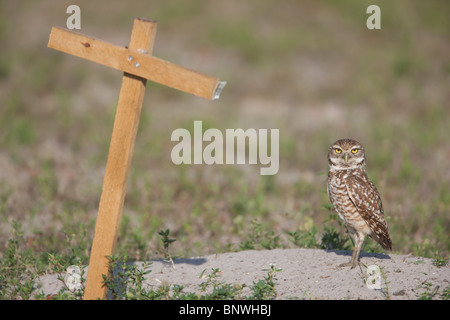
x,y
346,158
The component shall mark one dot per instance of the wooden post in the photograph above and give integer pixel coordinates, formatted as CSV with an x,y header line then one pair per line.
x,y
138,65
118,164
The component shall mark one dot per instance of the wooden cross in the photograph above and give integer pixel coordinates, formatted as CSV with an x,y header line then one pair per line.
x,y
138,64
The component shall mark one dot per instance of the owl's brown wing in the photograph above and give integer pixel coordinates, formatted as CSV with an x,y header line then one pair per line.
x,y
365,197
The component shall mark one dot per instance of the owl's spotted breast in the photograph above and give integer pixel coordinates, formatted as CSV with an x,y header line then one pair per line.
x,y
339,195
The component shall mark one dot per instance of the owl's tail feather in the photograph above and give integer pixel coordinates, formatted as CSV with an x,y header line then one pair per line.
x,y
384,241
387,244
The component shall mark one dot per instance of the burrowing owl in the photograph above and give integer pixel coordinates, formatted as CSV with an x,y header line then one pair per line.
x,y
355,197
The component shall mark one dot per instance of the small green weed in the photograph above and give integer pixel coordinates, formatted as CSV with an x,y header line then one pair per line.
x,y
440,261
305,238
260,238
166,241
265,289
332,238
386,282
429,293
445,295
213,289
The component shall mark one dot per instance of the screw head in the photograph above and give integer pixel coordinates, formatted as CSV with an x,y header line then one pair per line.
x,y
130,58
137,64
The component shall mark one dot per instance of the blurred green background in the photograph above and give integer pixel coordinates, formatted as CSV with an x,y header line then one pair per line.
x,y
309,68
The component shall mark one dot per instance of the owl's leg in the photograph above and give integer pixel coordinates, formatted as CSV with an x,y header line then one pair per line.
x,y
358,240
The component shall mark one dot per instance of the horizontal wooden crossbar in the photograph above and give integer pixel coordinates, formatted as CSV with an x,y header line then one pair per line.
x,y
135,62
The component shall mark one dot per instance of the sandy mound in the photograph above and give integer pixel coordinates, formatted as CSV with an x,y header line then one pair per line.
x,y
305,274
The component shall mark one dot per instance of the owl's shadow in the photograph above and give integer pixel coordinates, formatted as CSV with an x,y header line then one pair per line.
x,y
363,254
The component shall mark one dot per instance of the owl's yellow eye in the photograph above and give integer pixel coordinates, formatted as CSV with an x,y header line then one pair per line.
x,y
338,150
355,150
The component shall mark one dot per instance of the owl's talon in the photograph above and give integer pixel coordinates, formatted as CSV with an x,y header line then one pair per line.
x,y
350,264
345,265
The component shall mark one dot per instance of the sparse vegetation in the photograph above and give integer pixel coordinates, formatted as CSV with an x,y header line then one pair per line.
x,y
126,282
